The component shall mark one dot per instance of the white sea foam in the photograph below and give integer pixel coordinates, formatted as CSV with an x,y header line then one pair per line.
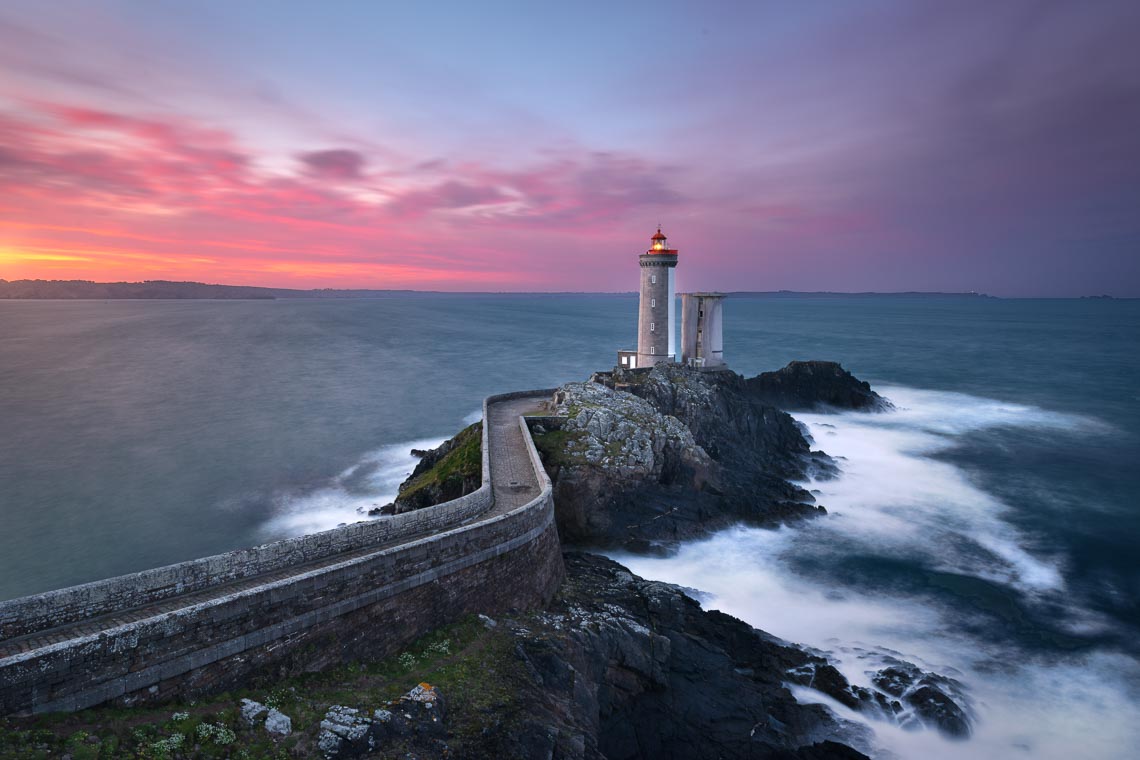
x,y
894,495
893,500
371,482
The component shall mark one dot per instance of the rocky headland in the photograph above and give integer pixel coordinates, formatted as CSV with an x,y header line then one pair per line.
x,y
643,459
616,666
621,667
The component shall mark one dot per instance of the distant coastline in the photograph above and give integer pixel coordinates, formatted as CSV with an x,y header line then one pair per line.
x,y
170,290
165,289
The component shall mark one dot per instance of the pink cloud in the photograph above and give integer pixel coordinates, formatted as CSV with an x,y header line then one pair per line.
x,y
89,190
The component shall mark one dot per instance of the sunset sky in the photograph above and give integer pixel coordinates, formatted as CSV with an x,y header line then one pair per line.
x,y
956,146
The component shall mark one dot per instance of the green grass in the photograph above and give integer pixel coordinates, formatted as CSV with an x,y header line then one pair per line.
x,y
557,447
475,669
462,463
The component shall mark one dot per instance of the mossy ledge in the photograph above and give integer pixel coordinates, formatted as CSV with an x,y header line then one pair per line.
x,y
452,470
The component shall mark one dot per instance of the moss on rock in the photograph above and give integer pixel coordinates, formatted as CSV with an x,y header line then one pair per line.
x,y
454,469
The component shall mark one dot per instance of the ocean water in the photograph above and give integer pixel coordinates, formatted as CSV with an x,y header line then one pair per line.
x,y
987,528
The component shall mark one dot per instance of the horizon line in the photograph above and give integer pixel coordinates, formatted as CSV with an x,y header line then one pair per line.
x,y
282,290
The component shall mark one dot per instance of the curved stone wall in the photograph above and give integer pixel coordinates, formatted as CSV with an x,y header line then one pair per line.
x,y
26,615
308,618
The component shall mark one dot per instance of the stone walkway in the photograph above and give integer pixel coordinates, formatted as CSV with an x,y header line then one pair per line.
x,y
513,481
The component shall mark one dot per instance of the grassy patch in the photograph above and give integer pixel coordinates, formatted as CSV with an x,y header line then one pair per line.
x,y
475,669
558,447
464,463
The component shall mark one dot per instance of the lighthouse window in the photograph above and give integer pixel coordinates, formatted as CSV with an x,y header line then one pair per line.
x,y
653,279
652,326
653,303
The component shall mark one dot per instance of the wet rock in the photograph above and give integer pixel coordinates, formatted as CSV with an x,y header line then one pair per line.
x,y
937,701
902,693
934,707
626,668
813,385
894,680
387,509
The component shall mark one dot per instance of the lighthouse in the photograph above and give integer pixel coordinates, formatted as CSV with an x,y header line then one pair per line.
x,y
656,316
702,342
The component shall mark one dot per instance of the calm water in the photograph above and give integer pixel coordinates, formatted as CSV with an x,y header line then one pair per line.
x,y
989,526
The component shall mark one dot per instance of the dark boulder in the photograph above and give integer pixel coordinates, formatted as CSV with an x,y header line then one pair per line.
x,y
813,385
935,700
636,669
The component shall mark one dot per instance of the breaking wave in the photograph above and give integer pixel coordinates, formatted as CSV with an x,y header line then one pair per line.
x,y
845,584
371,482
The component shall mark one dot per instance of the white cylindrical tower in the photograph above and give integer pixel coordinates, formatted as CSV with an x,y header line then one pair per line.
x,y
656,318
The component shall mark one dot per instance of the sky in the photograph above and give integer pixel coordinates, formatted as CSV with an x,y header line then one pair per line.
x,y
938,146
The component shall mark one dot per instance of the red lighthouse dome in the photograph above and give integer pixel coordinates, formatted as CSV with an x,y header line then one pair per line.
x,y
659,244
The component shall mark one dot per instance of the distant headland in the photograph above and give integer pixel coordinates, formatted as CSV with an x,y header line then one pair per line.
x,y
167,289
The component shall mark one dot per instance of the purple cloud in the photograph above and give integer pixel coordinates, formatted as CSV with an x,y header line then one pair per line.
x,y
336,164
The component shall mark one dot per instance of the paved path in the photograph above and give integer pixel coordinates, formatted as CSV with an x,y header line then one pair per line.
x,y
513,481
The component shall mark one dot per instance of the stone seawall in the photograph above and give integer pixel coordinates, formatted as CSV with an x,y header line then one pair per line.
x,y
370,604
20,617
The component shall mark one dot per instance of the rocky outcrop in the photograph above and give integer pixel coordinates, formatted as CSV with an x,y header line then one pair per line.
x,y
901,693
614,668
278,723
637,669
622,471
452,469
645,459
802,386
629,668
622,668
345,732
933,700
415,720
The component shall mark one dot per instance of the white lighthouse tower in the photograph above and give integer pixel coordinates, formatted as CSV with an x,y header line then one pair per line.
x,y
656,316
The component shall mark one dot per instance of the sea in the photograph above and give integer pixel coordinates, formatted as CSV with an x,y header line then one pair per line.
x,y
987,528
